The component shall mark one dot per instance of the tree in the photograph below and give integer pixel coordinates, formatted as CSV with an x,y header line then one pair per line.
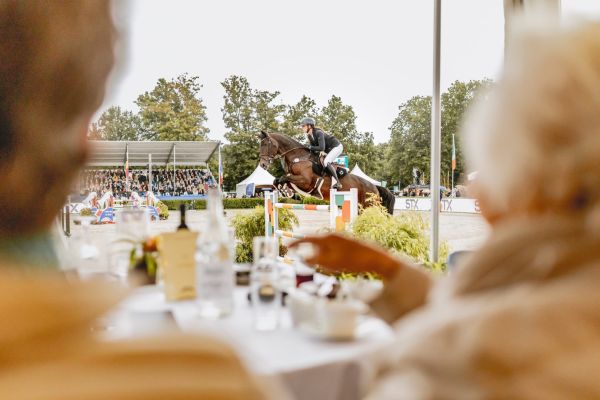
x,y
267,114
411,132
116,124
366,155
173,110
305,107
379,164
339,119
237,107
455,103
245,113
410,139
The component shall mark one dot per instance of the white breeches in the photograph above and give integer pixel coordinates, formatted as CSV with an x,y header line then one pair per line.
x,y
333,154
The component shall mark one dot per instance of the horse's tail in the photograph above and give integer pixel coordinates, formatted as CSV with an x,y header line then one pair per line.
x,y
387,199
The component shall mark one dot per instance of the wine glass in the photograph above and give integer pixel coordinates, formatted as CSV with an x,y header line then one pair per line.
x,y
86,252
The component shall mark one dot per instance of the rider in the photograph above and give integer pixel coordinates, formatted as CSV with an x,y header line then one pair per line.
x,y
321,141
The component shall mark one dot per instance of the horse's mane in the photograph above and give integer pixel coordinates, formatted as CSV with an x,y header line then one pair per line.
x,y
287,140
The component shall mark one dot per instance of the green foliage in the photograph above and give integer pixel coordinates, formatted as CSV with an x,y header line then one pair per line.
x,y
405,234
116,124
190,204
163,210
379,163
410,132
246,112
305,107
227,203
410,139
243,203
339,119
248,226
313,200
455,103
173,110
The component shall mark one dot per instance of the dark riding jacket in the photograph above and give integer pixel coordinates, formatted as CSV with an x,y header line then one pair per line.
x,y
321,141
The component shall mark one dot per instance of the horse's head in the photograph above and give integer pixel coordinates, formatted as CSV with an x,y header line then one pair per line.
x,y
269,148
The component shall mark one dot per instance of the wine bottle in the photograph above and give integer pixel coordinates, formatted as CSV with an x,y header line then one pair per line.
x,y
215,278
182,224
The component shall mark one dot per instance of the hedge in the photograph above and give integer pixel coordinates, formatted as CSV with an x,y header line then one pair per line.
x,y
236,203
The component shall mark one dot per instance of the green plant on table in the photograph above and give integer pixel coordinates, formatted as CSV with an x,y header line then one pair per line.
x,y
163,210
247,226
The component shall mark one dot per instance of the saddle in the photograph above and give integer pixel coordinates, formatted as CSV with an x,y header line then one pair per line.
x,y
318,169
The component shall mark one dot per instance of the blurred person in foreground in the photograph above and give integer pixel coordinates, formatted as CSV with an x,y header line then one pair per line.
x,y
55,57
520,318
49,90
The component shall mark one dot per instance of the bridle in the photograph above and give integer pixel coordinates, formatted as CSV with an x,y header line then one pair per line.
x,y
272,157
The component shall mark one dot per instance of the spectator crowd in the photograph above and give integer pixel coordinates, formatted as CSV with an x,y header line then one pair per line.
x,y
186,182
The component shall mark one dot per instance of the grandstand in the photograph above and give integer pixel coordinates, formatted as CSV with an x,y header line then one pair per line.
x,y
168,169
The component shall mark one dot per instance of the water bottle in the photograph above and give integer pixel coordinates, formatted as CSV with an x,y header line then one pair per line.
x,y
265,292
215,278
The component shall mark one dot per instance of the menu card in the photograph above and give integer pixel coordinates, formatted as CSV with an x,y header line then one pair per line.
x,y
177,251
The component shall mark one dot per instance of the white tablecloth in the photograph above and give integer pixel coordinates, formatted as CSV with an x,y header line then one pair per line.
x,y
311,367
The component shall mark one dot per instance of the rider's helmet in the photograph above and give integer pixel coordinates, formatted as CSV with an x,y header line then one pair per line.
x,y
307,121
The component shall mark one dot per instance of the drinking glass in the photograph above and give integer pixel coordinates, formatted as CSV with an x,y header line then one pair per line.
x,y
264,291
87,255
133,223
304,273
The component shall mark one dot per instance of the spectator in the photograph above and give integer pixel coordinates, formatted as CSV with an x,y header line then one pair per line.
x,y
187,181
55,57
518,319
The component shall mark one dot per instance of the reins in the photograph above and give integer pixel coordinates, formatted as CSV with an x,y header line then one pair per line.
x,y
278,156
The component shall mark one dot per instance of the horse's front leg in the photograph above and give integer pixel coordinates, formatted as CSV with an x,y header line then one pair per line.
x,y
300,181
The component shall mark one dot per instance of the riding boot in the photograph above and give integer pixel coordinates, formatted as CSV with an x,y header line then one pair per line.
x,y
332,171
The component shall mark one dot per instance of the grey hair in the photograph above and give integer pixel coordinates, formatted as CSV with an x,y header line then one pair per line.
x,y
535,137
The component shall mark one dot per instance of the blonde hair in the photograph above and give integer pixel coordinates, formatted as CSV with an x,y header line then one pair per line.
x,y
535,138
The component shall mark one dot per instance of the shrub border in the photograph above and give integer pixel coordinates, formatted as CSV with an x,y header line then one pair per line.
x,y
236,203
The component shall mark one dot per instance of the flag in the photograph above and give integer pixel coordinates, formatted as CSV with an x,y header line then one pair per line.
x,y
453,154
220,170
127,170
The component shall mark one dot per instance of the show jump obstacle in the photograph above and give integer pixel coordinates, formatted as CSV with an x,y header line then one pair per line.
x,y
342,208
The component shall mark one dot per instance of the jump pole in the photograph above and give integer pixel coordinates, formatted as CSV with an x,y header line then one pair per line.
x,y
342,207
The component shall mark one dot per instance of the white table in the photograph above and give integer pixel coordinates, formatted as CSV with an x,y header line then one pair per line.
x,y
311,367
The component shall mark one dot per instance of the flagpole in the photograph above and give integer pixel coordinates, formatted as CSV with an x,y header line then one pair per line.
x,y
220,170
127,168
453,162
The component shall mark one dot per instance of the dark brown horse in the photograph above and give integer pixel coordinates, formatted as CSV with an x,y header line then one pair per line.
x,y
304,172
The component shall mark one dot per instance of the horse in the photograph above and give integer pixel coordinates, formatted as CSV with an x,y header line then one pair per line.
x,y
305,173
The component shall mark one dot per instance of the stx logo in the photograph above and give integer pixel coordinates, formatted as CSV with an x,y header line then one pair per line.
x,y
412,204
447,205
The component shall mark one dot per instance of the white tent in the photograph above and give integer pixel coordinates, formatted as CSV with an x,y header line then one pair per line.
x,y
359,172
260,178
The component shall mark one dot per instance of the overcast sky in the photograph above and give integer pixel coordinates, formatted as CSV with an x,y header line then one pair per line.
x,y
374,54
